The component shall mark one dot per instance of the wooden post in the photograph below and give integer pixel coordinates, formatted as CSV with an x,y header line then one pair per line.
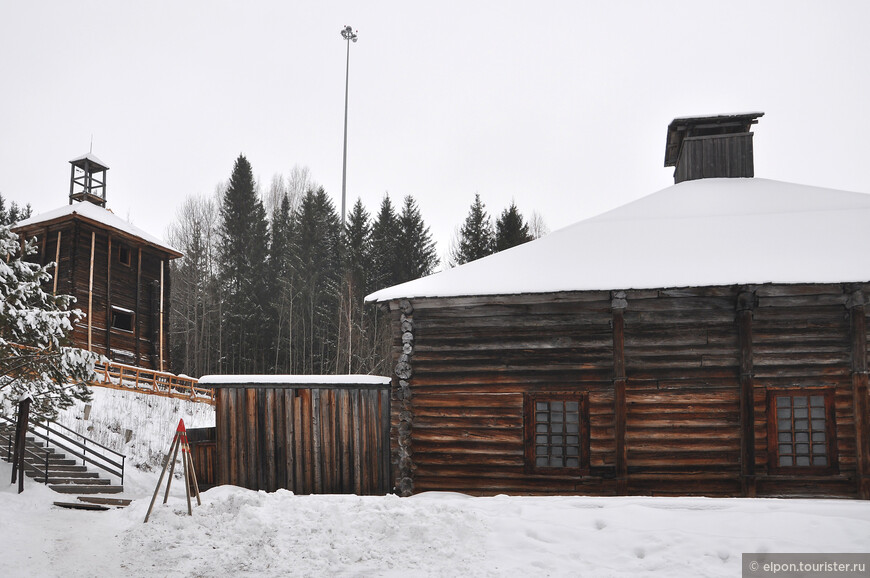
x,y
91,292
161,315
137,317
20,441
172,448
745,305
109,302
858,326
618,304
56,264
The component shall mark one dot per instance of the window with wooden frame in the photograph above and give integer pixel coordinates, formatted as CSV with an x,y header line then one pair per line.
x,y
124,257
557,432
802,433
122,319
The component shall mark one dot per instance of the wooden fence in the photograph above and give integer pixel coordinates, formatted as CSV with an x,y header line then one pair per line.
x,y
127,377
308,438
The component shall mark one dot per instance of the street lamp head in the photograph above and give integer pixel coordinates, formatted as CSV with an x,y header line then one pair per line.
x,y
348,33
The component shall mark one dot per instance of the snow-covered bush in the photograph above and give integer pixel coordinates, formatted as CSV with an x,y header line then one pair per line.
x,y
35,358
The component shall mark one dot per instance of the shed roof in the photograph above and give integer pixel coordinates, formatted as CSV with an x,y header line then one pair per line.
x,y
291,381
697,233
99,215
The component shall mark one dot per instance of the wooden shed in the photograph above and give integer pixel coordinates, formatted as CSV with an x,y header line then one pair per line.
x,y
311,434
708,339
118,273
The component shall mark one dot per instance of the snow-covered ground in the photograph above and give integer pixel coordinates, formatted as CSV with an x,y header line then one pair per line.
x,y
238,532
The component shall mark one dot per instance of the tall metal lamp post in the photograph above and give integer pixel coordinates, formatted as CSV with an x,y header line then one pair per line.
x,y
348,34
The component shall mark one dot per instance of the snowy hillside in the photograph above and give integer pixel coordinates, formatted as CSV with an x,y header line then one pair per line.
x,y
151,420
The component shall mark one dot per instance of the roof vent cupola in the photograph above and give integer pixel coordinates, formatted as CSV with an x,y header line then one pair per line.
x,y
87,181
703,147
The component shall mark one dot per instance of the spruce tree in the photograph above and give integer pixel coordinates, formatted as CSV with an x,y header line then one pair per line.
x,y
15,213
243,250
357,249
35,356
384,248
316,252
283,285
476,237
511,229
415,248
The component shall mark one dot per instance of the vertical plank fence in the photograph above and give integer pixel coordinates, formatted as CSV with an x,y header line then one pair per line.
x,y
307,434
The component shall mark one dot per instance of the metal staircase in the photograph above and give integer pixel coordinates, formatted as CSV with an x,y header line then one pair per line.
x,y
67,463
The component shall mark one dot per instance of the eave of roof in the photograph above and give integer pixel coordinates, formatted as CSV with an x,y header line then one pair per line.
x,y
98,216
708,232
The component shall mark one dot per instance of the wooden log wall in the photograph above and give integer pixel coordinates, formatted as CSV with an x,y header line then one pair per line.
x,y
114,284
310,440
473,360
677,382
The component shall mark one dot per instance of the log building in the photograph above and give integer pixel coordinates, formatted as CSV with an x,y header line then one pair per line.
x,y
118,274
708,339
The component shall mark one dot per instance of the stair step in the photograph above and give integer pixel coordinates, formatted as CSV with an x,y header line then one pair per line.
x,y
61,471
83,489
79,481
82,506
52,462
61,468
121,502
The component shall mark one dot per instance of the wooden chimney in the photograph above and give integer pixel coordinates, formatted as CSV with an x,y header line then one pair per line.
x,y
711,146
87,180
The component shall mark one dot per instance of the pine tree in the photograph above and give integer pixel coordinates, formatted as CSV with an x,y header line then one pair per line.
x,y
476,237
384,253
316,252
34,357
415,247
243,250
510,229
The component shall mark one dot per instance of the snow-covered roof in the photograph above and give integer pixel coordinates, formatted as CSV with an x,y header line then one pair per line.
x,y
219,380
100,215
697,233
91,157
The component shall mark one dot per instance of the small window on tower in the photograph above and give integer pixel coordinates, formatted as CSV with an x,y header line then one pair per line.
x,y
124,255
122,319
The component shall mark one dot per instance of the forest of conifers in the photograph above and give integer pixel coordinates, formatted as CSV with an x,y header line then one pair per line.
x,y
275,284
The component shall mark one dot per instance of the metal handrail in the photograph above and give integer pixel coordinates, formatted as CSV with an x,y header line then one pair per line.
x,y
107,465
9,438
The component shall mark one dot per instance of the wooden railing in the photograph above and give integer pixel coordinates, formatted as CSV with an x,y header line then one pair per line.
x,y
128,377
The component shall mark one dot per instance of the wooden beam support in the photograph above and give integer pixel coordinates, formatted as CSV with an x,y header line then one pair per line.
x,y
161,315
746,303
56,264
138,318
618,304
109,302
91,293
856,303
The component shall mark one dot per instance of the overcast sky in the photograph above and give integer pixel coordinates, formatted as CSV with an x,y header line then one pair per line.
x,y
562,106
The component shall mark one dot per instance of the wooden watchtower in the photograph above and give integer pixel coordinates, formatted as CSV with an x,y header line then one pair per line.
x,y
118,273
